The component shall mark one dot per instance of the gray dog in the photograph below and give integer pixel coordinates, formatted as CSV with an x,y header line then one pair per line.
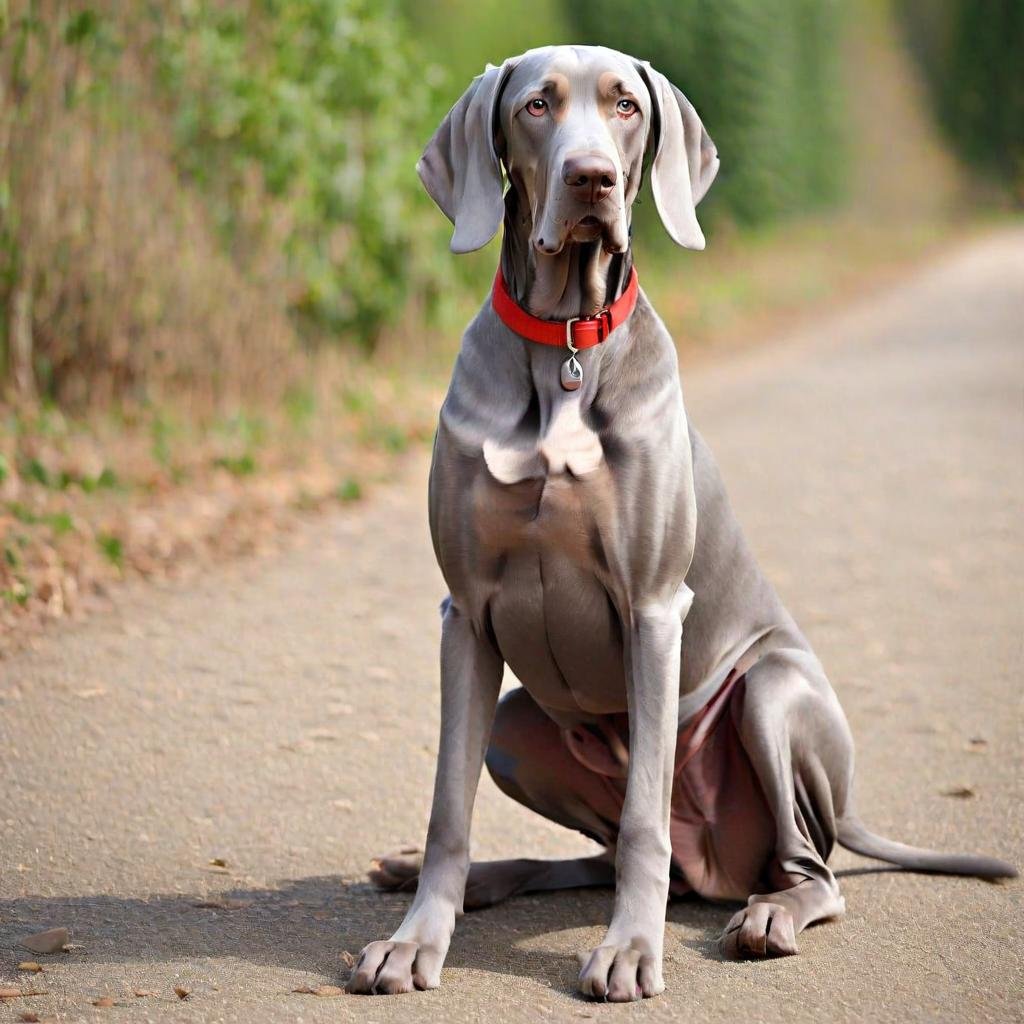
x,y
671,708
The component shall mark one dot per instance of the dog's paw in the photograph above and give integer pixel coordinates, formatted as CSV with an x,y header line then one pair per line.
x,y
397,871
760,929
389,968
620,974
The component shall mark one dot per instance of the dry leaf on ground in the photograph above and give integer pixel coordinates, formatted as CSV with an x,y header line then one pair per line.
x,y
105,1002
320,990
181,992
31,966
51,941
347,958
222,904
959,792
93,691
141,993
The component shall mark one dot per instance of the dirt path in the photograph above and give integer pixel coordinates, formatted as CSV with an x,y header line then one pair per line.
x,y
281,715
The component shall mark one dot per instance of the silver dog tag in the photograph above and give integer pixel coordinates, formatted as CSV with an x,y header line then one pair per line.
x,y
572,373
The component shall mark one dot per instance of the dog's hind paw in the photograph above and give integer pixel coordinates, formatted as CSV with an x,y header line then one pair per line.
x,y
398,871
760,929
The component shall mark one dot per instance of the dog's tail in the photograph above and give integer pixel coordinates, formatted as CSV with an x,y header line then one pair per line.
x,y
854,836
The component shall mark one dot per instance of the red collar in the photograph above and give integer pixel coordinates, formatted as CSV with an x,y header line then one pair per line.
x,y
582,331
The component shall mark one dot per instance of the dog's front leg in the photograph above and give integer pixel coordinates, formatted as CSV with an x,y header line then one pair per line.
x,y
627,965
471,671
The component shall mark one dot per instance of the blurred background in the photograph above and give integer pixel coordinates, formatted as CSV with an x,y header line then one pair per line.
x,y
227,302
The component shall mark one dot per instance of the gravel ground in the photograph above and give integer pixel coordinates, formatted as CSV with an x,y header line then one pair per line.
x,y
280,716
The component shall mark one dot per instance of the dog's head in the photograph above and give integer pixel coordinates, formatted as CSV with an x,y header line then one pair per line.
x,y
571,124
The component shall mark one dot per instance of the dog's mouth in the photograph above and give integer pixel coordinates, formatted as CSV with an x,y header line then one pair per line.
x,y
587,229
592,229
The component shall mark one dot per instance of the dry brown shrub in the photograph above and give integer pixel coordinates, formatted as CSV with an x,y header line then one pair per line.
x,y
116,279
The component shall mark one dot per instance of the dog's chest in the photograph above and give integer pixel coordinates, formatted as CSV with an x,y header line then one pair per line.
x,y
567,446
547,491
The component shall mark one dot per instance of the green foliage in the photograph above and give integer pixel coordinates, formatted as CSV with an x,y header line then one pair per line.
x,y
34,470
300,406
764,75
59,522
971,55
326,101
488,32
17,594
237,465
112,548
349,490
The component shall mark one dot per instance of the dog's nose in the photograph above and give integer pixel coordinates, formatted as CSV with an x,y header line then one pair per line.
x,y
590,176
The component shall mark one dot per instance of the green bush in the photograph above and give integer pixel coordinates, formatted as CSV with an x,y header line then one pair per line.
x,y
183,186
765,78
971,53
328,102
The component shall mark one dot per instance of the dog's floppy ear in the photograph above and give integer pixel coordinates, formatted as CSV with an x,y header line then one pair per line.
x,y
685,159
460,167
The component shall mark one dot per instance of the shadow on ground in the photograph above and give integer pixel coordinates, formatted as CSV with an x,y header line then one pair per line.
x,y
306,924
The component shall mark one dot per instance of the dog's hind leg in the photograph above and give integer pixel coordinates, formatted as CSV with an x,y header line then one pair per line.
x,y
799,744
529,762
491,881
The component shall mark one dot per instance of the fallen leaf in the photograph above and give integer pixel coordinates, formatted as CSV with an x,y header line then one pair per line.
x,y
181,993
28,1017
320,990
52,941
959,792
977,744
94,691
222,904
323,735
218,862
30,965
19,993
347,958
105,1002
141,993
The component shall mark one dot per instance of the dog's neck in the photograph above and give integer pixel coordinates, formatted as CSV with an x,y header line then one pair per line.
x,y
578,281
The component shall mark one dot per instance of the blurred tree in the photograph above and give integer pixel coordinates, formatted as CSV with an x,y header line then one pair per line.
x,y
765,77
327,101
182,184
971,53
464,35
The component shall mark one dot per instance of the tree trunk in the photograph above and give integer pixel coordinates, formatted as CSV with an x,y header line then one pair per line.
x,y
20,339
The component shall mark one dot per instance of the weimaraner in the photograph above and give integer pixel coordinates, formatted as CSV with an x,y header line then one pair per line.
x,y
671,709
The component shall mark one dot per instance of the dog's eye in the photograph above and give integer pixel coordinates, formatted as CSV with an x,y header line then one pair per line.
x,y
625,108
537,107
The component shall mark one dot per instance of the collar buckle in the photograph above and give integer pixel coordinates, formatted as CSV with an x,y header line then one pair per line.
x,y
602,319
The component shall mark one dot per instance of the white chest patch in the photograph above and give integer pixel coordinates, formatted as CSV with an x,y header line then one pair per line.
x,y
569,445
